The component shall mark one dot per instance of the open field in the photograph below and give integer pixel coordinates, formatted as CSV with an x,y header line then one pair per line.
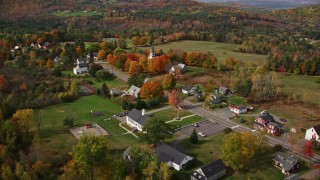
x,y
77,13
111,83
301,85
220,50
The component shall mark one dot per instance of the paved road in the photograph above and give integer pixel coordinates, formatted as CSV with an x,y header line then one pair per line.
x,y
212,116
120,74
199,110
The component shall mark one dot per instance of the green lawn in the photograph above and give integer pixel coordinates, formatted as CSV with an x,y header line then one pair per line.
x,y
300,84
220,50
169,114
52,122
186,121
237,100
116,82
52,116
77,13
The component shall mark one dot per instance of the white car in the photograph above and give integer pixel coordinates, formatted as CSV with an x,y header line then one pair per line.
x,y
202,134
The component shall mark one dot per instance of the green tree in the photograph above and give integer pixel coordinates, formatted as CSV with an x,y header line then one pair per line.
x,y
168,82
122,43
156,131
104,91
136,79
103,75
90,152
119,169
194,137
239,149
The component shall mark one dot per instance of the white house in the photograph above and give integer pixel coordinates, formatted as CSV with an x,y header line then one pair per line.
x,y
133,91
189,90
137,119
176,69
313,133
81,66
238,109
172,157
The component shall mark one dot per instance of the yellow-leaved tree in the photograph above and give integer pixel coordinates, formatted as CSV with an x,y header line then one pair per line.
x,y
24,119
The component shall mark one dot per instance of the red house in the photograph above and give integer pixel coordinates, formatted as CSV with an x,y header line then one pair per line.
x,y
267,123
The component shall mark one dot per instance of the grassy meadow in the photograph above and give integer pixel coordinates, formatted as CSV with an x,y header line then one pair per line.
x,y
220,50
301,85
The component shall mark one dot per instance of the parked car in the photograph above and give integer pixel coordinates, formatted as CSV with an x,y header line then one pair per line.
x,y
202,134
122,114
195,125
283,120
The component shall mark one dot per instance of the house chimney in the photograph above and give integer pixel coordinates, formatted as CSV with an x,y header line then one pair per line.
x,y
143,111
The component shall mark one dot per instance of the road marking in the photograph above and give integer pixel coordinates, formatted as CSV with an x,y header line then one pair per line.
x,y
234,127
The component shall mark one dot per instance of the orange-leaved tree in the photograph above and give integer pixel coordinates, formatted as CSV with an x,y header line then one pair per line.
x,y
151,90
173,98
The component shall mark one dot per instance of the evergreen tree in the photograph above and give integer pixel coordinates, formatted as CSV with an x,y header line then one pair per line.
x,y
194,137
104,91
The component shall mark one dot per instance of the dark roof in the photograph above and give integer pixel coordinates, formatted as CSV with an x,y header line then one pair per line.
x,y
137,116
317,129
292,177
168,153
286,161
82,62
213,168
266,117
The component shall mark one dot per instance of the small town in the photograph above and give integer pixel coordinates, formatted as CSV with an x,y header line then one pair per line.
x,y
160,90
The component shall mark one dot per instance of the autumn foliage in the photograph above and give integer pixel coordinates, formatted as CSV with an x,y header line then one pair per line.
x,y
151,90
159,64
173,98
3,83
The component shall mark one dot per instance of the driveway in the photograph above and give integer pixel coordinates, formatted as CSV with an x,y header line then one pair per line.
x,y
207,127
224,112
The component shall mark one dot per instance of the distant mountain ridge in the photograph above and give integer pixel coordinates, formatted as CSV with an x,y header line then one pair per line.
x,y
269,4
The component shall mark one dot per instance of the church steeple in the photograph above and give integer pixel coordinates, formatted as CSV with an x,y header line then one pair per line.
x,y
152,53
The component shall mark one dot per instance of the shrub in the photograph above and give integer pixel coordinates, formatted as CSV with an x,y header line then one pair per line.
x,y
277,148
227,130
318,79
242,120
68,121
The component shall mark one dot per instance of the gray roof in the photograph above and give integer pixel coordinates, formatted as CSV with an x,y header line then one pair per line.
x,y
292,177
115,91
82,62
168,153
222,88
317,129
286,161
267,117
213,168
137,116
